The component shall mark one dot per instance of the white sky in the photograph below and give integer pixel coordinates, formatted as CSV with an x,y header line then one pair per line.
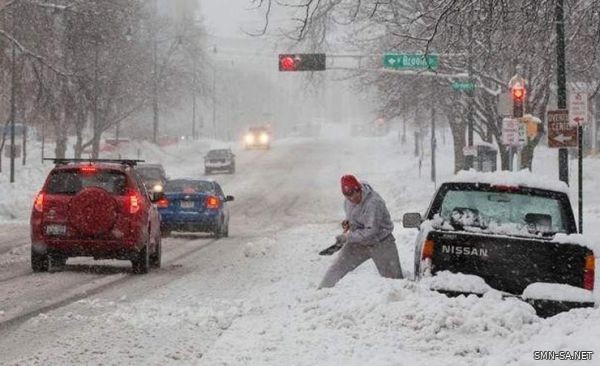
x,y
227,18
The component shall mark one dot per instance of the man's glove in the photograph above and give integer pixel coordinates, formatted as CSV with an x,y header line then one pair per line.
x,y
341,239
346,225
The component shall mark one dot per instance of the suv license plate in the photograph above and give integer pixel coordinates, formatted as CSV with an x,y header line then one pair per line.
x,y
56,229
187,204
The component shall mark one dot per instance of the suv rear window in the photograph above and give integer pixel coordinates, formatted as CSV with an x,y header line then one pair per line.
x,y
72,181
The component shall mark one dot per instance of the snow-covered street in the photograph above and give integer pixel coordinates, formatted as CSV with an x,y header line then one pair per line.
x,y
251,299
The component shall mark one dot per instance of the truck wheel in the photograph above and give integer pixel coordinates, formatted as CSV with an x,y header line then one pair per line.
x,y
141,261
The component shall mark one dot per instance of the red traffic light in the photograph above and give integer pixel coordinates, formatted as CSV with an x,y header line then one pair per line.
x,y
302,62
518,92
287,63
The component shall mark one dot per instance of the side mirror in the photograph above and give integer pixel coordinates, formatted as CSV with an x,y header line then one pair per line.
x,y
412,220
229,198
156,196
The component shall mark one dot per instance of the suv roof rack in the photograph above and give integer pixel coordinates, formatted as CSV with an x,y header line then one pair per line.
x,y
64,161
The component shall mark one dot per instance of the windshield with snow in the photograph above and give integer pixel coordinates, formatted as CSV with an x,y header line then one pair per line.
x,y
505,212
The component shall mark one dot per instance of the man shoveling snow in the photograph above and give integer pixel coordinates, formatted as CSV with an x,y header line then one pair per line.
x,y
367,234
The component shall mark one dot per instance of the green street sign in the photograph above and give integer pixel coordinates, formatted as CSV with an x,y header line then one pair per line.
x,y
410,61
463,85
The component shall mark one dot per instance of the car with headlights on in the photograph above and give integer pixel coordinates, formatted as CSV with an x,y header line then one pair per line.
x,y
258,138
153,176
194,205
95,208
219,160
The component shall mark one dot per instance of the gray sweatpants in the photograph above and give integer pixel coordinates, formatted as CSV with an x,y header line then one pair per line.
x,y
384,254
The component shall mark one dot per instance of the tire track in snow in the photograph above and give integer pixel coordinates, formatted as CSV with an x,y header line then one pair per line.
x,y
98,286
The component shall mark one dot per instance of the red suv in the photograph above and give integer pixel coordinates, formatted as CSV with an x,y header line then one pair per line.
x,y
95,208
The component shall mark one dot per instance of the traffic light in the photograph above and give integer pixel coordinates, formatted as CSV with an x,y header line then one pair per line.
x,y
302,62
518,97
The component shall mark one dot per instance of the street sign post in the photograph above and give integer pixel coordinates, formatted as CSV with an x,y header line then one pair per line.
x,y
578,108
560,133
410,61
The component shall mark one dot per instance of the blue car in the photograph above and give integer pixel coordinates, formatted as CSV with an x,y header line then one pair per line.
x,y
194,205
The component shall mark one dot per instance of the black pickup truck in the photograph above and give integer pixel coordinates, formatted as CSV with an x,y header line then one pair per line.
x,y
511,236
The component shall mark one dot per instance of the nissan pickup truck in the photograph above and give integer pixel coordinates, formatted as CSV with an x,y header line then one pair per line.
x,y
514,231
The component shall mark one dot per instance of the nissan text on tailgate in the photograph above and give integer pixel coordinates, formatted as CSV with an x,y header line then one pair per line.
x,y
513,231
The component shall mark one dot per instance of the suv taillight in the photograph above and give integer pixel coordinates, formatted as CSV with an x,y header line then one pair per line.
x,y
212,202
589,272
39,202
134,203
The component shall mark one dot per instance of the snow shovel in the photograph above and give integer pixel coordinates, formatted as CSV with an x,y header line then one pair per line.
x,y
332,249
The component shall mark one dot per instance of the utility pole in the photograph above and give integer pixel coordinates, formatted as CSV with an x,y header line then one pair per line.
x,y
433,139
214,102
563,153
13,107
194,97
155,75
471,94
214,96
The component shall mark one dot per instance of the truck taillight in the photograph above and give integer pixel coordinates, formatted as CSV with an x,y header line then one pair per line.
x,y
427,249
589,272
39,202
212,202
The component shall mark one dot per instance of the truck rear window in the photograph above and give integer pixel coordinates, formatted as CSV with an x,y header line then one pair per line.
x,y
505,211
70,182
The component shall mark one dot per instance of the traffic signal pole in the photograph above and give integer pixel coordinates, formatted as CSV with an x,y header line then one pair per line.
x,y
563,153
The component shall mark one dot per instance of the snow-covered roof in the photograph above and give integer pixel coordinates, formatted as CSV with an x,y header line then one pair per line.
x,y
523,178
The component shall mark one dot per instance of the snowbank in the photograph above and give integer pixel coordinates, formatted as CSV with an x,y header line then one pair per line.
x,y
557,292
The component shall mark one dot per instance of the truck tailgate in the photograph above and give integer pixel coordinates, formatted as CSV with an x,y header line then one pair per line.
x,y
506,263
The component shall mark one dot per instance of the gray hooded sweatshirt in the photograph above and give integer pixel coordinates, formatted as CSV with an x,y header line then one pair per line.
x,y
370,221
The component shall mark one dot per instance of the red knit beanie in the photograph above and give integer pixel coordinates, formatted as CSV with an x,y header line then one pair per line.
x,y
350,184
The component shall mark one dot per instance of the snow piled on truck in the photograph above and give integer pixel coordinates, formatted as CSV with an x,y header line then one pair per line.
x,y
523,178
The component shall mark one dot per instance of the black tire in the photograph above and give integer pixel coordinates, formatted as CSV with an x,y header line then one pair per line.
x,y
156,258
218,231
40,262
140,263
57,261
226,231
